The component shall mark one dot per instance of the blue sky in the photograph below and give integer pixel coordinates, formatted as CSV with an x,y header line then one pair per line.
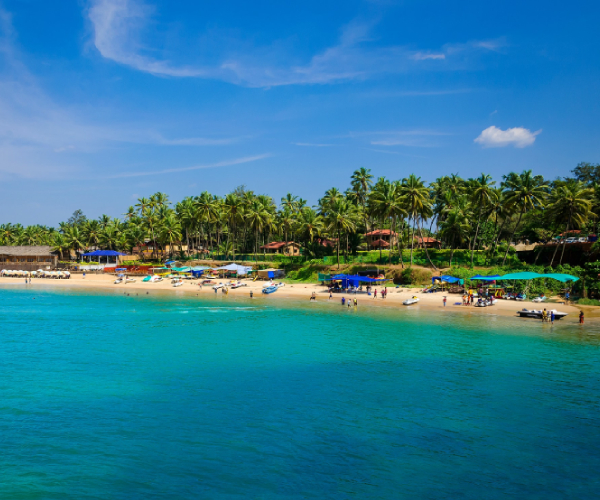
x,y
105,101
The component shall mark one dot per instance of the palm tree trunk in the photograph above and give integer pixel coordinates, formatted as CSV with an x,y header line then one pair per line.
x,y
565,244
426,250
512,236
475,240
338,248
412,240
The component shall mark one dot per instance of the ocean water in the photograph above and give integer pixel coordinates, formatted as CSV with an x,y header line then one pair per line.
x,y
106,396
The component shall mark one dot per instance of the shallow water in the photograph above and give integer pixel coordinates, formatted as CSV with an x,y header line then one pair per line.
x,y
108,396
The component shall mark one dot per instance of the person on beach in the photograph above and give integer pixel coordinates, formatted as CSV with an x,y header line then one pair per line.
x,y
375,293
355,302
83,274
445,301
464,300
343,300
581,318
330,294
544,316
552,316
251,294
567,298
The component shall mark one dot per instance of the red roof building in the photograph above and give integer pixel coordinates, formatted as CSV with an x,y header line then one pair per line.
x,y
285,247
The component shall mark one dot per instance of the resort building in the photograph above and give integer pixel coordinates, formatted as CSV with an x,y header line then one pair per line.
x,y
428,242
283,247
27,258
381,238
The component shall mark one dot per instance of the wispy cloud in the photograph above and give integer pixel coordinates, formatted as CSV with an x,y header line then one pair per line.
x,y
226,163
519,137
119,27
422,56
412,138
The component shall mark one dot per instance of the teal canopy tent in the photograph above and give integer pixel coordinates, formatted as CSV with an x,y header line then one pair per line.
x,y
530,276
561,277
485,278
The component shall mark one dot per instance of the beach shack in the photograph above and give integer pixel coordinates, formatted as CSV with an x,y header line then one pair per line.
x,y
283,247
269,274
27,258
446,281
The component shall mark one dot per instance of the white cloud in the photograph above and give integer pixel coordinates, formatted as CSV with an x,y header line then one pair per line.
x,y
422,56
226,163
519,137
119,27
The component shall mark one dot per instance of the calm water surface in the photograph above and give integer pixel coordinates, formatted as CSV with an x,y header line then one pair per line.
x,y
108,396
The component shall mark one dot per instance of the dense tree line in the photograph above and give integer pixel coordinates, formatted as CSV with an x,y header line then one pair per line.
x,y
473,214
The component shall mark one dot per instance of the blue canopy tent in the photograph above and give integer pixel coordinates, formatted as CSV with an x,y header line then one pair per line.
x,y
354,280
104,253
198,271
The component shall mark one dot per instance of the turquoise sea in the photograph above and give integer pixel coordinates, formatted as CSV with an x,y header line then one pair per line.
x,y
107,396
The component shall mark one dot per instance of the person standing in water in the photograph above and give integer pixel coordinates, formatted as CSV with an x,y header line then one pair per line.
x,y
552,316
444,301
581,318
343,300
375,293
251,294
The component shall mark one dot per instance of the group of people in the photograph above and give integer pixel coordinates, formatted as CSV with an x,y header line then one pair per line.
x,y
349,301
468,299
547,316
383,293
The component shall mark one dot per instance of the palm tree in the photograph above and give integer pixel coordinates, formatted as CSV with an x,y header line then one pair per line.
x,y
74,238
389,204
361,182
233,206
309,225
455,228
340,216
416,194
170,231
482,196
524,192
60,244
290,202
571,202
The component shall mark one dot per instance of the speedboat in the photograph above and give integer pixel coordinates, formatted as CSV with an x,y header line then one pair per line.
x,y
413,300
541,298
118,281
217,286
486,302
155,279
238,284
176,282
270,283
533,313
129,280
270,289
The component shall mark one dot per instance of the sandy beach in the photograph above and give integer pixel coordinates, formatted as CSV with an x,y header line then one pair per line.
x,y
301,291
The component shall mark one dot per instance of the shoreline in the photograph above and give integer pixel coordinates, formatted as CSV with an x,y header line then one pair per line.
x,y
300,291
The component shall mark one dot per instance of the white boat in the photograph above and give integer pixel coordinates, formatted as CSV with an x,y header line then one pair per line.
x,y
238,284
539,299
270,283
129,280
217,286
413,300
526,313
118,281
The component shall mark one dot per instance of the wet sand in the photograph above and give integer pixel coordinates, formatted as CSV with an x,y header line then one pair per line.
x,y
301,291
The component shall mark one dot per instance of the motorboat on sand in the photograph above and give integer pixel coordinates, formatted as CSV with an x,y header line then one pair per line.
x,y
413,300
527,313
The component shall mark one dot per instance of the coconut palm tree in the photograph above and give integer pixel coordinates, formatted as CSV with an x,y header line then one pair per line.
x,y
341,216
523,192
361,183
455,229
482,196
571,202
388,204
417,198
170,232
